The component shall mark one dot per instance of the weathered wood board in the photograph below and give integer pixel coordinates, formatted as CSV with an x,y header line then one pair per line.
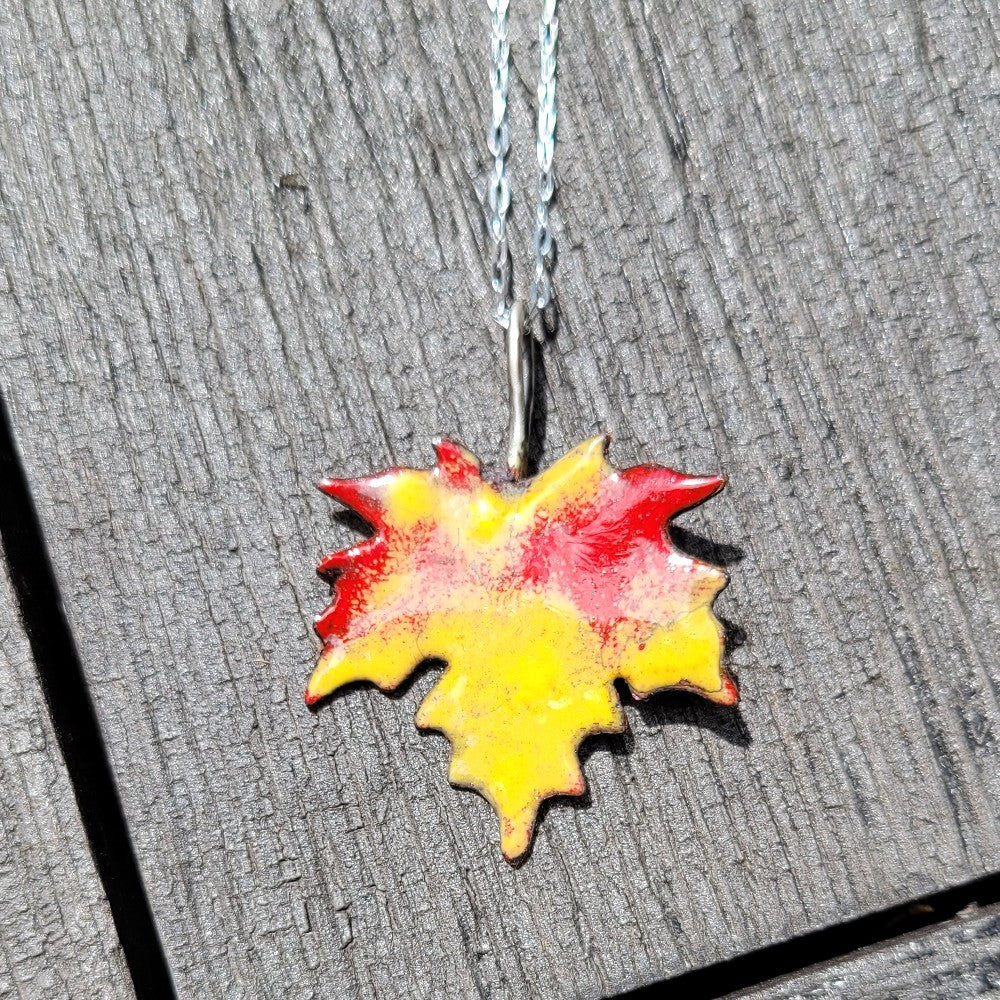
x,y
242,249
57,937
956,960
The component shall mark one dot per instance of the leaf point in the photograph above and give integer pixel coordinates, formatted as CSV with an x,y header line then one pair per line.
x,y
456,466
358,495
693,490
729,693
335,562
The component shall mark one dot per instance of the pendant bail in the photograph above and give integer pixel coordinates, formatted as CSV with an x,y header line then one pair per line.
x,y
520,379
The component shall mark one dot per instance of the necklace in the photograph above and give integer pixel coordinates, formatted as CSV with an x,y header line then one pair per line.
x,y
537,594
509,314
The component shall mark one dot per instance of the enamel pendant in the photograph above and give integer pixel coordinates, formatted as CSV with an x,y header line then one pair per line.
x,y
537,596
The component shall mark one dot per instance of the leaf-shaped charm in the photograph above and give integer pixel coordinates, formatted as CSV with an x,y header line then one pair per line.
x,y
538,596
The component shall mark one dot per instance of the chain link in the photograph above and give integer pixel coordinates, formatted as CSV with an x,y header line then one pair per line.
x,y
498,141
545,148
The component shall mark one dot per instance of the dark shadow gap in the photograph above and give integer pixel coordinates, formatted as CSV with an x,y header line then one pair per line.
x,y
539,413
61,675
759,968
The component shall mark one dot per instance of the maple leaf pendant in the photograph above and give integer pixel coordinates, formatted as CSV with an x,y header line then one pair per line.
x,y
538,596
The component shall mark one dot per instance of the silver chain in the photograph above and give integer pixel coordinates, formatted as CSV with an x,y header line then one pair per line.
x,y
498,140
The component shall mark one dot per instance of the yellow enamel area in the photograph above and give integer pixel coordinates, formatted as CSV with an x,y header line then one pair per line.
x,y
574,479
385,656
529,676
413,496
688,652
523,688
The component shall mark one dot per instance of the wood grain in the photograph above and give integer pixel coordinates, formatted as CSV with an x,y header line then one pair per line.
x,y
243,247
957,960
56,931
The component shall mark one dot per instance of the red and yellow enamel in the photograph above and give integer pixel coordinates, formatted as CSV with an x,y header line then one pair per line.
x,y
538,596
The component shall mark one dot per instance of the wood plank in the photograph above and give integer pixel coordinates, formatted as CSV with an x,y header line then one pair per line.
x,y
242,250
57,936
957,960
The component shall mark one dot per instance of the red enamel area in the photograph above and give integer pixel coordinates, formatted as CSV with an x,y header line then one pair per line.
x,y
358,568
730,693
455,466
594,549
589,552
355,570
360,495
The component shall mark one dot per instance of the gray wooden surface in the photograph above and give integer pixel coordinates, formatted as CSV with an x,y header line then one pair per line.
x,y
242,248
56,932
955,960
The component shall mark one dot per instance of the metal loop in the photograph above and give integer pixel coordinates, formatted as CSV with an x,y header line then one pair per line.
x,y
520,381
